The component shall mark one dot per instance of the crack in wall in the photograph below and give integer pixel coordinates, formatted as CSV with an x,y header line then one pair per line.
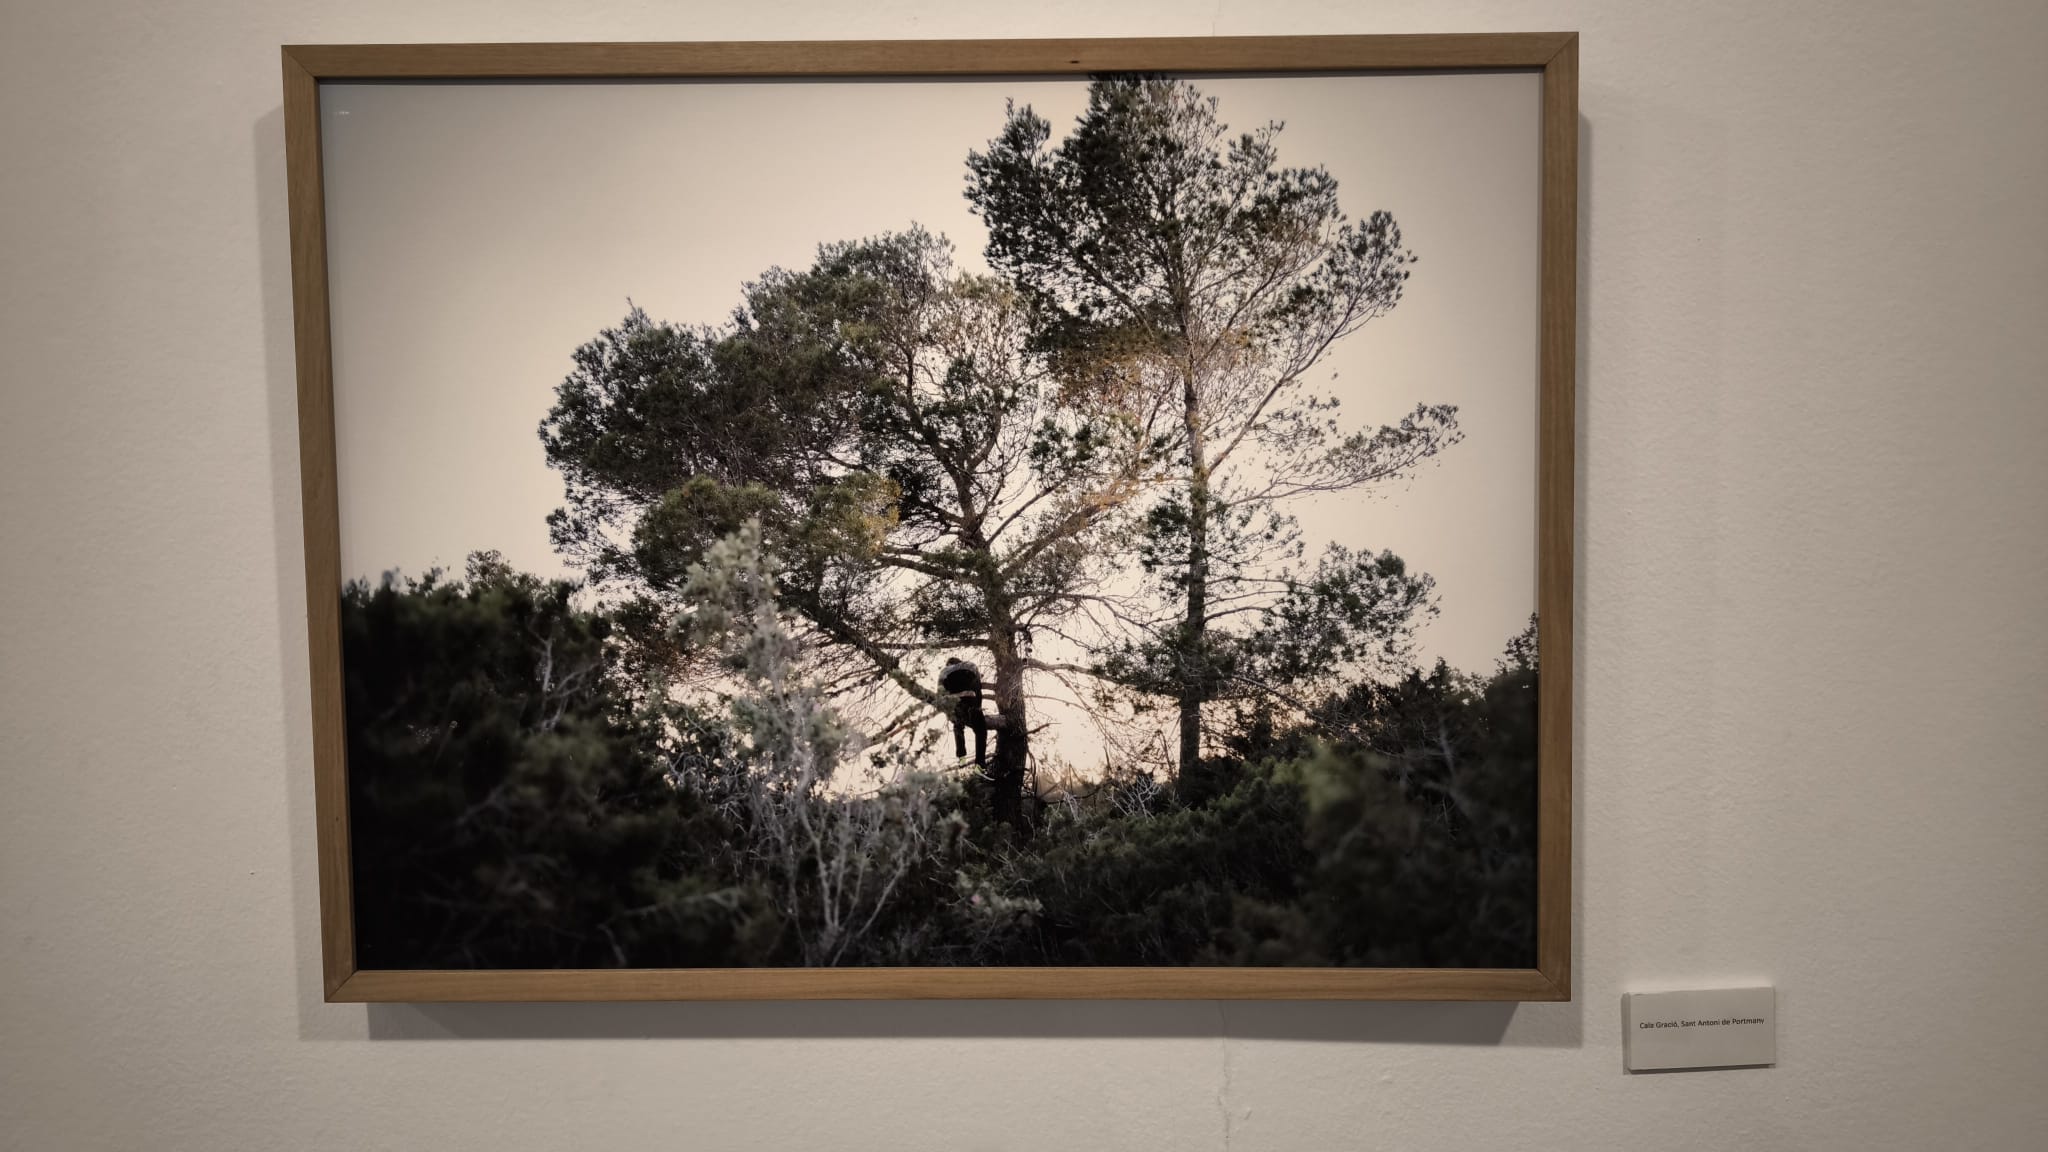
x,y
1225,1073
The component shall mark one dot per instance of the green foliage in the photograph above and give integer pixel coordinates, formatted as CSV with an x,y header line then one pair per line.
x,y
507,802
517,803
1270,637
1394,828
650,406
674,533
1145,880
1150,212
1437,772
923,428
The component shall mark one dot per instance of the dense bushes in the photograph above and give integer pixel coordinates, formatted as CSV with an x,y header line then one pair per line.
x,y
522,796
507,806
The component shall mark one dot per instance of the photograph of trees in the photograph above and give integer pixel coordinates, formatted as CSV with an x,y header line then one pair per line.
x,y
1007,588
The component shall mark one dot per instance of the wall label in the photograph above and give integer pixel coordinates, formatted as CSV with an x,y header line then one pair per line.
x,y
1710,1028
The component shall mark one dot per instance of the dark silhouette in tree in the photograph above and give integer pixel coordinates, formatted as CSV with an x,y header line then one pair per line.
x,y
960,681
1160,251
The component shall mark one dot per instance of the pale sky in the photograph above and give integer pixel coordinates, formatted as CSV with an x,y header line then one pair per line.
x,y
477,233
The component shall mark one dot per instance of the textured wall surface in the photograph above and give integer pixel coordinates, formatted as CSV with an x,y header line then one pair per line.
x,y
1814,642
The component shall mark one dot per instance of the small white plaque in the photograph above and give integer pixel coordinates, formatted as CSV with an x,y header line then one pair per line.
x,y
1714,1028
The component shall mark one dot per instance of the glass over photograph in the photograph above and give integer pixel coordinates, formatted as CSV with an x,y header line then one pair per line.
x,y
1068,522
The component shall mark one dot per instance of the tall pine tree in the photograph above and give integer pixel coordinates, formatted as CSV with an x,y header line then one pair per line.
x,y
1157,248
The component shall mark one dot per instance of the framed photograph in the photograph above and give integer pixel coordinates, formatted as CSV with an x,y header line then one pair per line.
x,y
1082,518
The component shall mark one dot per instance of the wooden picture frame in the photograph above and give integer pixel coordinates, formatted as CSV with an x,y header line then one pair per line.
x,y
1554,55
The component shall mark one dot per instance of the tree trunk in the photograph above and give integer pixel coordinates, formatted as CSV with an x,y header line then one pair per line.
x,y
1193,656
1013,736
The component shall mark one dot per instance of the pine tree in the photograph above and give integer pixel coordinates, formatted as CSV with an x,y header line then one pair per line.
x,y
1159,250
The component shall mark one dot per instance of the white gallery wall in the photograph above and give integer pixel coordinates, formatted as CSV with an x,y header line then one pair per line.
x,y
1813,635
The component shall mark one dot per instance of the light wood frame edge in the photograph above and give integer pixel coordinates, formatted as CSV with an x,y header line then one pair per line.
x,y
321,515
377,986
1557,421
1555,53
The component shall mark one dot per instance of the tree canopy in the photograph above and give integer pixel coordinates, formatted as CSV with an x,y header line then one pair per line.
x,y
937,488
1154,244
